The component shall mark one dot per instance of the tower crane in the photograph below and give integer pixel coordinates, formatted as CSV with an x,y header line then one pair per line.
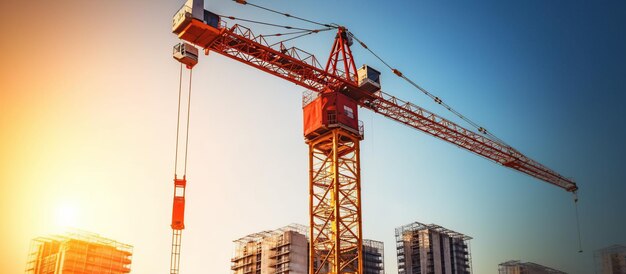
x,y
332,129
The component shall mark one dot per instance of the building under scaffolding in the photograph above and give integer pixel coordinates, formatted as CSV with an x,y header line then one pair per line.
x,y
517,267
286,251
283,251
430,249
611,260
373,257
78,252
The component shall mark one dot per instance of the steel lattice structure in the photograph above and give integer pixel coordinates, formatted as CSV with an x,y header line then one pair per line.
x,y
299,67
332,129
335,203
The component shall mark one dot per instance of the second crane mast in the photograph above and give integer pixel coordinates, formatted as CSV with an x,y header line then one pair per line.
x,y
188,55
332,129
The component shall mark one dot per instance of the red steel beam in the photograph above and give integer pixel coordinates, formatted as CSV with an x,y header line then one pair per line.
x,y
303,69
418,118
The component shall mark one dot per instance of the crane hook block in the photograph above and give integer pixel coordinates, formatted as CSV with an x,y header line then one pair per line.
x,y
186,54
178,211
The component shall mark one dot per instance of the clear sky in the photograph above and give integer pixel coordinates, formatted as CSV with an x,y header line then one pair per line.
x,y
88,94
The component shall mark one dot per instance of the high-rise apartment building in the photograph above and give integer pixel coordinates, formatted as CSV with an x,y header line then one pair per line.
x,y
611,260
517,267
432,249
286,251
280,251
373,257
78,252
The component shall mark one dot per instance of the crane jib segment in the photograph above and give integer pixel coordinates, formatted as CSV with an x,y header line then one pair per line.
x,y
303,69
426,121
240,43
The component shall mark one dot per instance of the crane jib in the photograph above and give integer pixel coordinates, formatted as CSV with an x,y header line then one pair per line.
x,y
331,126
302,68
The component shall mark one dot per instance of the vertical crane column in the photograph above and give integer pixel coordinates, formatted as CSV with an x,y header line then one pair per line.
x,y
178,222
333,132
335,203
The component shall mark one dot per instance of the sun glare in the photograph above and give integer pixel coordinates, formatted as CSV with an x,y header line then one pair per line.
x,y
66,215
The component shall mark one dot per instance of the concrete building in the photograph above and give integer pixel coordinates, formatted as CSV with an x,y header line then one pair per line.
x,y
77,253
373,257
284,251
517,267
611,260
432,249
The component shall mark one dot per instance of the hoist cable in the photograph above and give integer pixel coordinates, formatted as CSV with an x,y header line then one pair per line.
x,y
435,98
580,245
180,95
284,34
264,23
294,32
188,118
299,36
180,88
284,14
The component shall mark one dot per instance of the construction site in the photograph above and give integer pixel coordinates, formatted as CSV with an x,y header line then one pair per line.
x,y
333,132
283,250
466,137
286,251
78,252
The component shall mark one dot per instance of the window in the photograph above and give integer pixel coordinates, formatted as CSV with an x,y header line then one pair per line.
x,y
348,111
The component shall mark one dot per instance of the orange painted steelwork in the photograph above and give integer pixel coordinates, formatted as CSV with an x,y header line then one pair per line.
x,y
334,178
299,67
341,54
178,212
335,203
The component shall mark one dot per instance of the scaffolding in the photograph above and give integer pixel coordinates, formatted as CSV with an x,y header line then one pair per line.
x,y
423,247
279,251
610,260
518,267
78,252
373,257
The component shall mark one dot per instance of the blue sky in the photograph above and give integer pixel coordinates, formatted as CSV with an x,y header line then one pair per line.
x,y
546,76
89,117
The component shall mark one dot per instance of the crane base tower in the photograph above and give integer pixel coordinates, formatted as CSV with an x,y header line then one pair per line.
x,y
335,203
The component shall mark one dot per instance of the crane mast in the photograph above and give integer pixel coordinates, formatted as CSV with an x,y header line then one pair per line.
x,y
332,130
187,55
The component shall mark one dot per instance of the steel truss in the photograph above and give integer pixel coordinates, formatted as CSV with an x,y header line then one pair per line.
x,y
335,203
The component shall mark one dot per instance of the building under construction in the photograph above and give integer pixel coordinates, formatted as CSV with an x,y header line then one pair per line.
x,y
430,249
78,252
373,257
284,251
517,267
611,260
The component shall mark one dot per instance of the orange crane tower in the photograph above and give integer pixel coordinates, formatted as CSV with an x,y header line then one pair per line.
x,y
332,129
